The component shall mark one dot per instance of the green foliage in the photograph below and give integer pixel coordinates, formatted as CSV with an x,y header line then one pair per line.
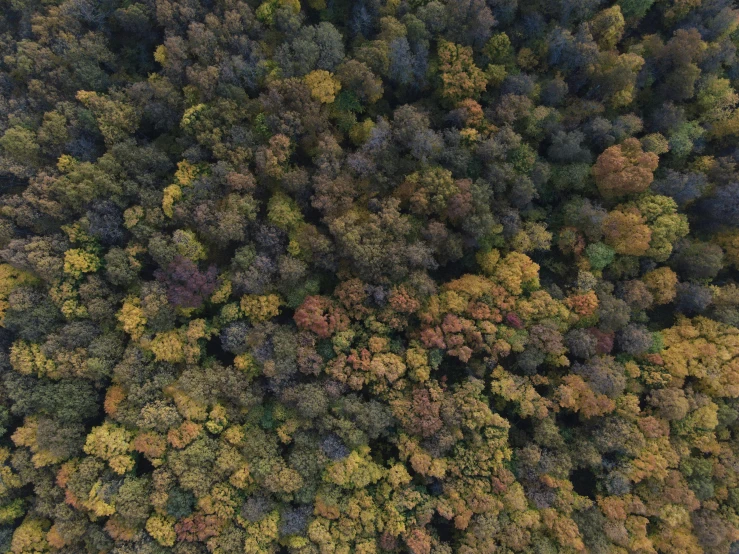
x,y
599,255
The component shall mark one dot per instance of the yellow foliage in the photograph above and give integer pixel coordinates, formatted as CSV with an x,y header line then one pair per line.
x,y
66,296
186,173
27,359
11,511
96,501
653,461
160,54
168,347
260,307
417,361
116,120
661,283
217,421
78,261
488,260
241,478
132,318
705,349
574,394
460,77
284,212
111,443
726,127
398,476
171,194
323,86
266,11
132,216
387,366
360,132
515,271
30,538
626,232
355,471
8,479
161,529
261,535
222,293
188,246
190,117
521,392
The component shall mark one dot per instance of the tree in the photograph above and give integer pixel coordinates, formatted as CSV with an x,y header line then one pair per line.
x,y
115,118
323,85
460,77
608,27
624,169
626,232
357,77
111,443
187,287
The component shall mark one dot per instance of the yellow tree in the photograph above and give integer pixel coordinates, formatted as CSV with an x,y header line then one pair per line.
x,y
460,77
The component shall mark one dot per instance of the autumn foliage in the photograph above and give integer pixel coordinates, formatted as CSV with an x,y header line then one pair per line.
x,y
373,277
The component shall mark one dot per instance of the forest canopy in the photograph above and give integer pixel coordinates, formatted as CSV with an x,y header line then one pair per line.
x,y
373,276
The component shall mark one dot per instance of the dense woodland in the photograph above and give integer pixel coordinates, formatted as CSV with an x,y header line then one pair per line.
x,y
374,276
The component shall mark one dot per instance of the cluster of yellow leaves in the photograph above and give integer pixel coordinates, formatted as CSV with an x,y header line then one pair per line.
x,y
266,11
460,77
653,461
168,347
323,86
705,349
184,176
171,194
27,359
187,245
8,479
516,271
626,232
161,529
30,538
187,172
356,471
111,442
132,318
661,283
520,391
284,212
421,461
115,119
353,526
66,296
418,364
217,420
261,535
260,307
78,261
